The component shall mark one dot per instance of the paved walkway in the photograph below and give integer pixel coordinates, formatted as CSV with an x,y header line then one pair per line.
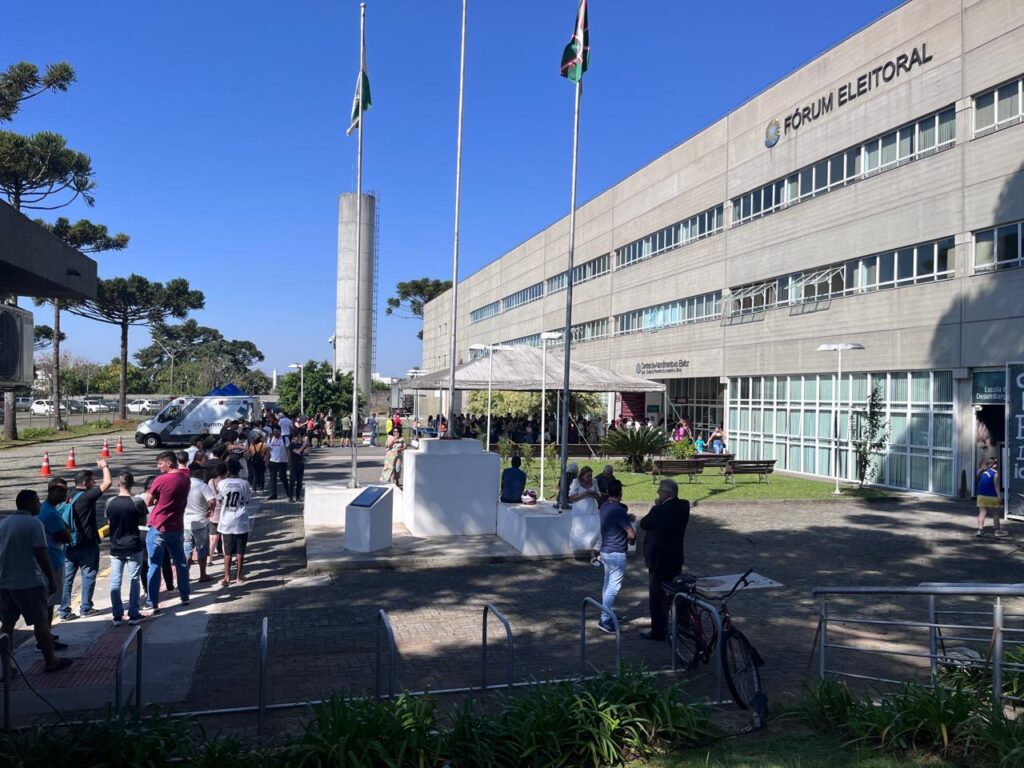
x,y
322,628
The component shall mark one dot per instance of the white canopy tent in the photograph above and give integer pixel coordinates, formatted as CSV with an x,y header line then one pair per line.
x,y
520,369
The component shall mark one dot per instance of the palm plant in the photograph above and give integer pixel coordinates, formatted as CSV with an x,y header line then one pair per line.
x,y
635,446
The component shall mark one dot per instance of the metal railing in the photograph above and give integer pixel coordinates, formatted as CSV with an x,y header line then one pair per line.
x,y
261,695
674,637
994,634
489,609
134,636
384,624
5,663
583,635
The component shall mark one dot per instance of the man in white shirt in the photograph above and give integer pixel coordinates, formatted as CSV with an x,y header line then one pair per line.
x,y
198,509
286,426
278,447
233,495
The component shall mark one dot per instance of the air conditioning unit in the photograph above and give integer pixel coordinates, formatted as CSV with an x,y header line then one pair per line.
x,y
15,347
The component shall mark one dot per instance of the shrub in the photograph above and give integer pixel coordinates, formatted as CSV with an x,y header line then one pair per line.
x,y
34,433
684,449
635,446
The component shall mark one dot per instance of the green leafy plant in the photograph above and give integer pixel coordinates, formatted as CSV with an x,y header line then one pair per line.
x,y
506,450
635,446
526,454
683,449
870,435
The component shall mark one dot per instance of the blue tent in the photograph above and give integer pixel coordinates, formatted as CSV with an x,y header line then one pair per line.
x,y
228,390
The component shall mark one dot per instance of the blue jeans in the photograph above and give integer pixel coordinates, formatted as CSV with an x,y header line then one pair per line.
x,y
159,546
84,558
614,570
131,567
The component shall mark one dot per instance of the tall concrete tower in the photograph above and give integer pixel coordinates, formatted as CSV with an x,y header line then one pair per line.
x,y
350,297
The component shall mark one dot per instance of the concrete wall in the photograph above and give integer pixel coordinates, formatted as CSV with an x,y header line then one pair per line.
x,y
351,298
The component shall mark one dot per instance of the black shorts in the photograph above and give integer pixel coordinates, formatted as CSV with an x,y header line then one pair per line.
x,y
30,604
234,543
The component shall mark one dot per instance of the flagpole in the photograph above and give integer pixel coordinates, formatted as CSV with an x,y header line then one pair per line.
x,y
563,485
353,480
455,248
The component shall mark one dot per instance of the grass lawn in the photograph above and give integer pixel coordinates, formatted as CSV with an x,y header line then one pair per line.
x,y
712,486
31,435
795,748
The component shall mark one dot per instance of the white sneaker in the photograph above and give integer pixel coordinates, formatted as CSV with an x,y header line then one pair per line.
x,y
1000,532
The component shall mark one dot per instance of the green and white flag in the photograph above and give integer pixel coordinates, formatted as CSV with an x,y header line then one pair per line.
x,y
576,55
361,99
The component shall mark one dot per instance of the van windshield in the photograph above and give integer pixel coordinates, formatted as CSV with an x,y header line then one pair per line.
x,y
171,411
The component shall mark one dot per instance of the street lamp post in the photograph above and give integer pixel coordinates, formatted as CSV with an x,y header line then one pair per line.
x,y
169,352
836,399
490,349
333,341
544,339
302,387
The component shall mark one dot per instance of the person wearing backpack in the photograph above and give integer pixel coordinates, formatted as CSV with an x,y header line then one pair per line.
x,y
83,551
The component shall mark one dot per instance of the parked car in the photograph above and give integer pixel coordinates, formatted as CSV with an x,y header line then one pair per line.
x,y
143,406
97,406
44,408
22,403
76,406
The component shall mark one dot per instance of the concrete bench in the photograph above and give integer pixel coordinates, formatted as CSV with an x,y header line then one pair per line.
x,y
761,468
689,467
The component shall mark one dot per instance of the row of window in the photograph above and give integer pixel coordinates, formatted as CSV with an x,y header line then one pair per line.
x,y
484,312
914,387
525,296
704,224
998,247
922,263
694,309
909,142
998,108
580,274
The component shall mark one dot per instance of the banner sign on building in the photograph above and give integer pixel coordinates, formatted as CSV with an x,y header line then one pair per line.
x,y
1013,472
988,387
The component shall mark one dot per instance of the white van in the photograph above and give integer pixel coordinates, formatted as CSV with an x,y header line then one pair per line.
x,y
186,418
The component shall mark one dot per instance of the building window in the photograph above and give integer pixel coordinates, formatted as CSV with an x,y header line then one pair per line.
x,y
695,309
922,263
582,332
533,340
997,248
581,273
525,296
697,227
909,142
998,108
484,312
791,419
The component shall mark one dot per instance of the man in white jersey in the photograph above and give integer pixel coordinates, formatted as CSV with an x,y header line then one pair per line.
x,y
278,447
233,495
197,516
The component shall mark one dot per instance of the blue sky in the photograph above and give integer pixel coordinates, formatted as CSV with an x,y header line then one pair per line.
x,y
217,132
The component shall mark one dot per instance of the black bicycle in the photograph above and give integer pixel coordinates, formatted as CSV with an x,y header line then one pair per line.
x,y
695,639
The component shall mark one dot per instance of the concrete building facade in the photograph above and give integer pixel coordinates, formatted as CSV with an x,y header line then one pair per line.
x,y
875,195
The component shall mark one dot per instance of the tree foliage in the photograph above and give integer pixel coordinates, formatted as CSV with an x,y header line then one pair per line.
x,y
36,168
869,435
134,300
22,81
43,337
320,393
411,296
581,404
635,446
108,378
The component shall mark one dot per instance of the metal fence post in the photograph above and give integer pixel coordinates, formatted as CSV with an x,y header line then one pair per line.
x,y
383,623
997,656
822,637
261,705
135,635
489,608
138,674
933,640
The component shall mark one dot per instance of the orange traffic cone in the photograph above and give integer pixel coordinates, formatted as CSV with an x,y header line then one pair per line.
x,y
44,471
120,446
105,453
71,460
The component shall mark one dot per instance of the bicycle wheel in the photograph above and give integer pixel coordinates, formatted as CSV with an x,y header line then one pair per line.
x,y
739,666
695,635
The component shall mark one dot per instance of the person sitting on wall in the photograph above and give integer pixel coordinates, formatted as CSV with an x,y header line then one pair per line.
x,y
513,483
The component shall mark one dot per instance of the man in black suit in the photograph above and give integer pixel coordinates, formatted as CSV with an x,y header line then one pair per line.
x,y
665,526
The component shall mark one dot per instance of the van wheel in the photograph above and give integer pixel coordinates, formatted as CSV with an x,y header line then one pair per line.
x,y
152,441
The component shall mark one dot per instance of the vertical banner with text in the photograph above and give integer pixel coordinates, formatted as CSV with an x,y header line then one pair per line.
x,y
1013,472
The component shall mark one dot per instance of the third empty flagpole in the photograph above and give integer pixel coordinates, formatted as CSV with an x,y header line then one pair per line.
x,y
360,103
575,58
455,247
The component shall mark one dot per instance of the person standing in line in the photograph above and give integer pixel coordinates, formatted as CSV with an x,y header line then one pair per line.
x,y
26,576
990,497
371,426
346,431
277,446
665,529
616,533
329,430
298,449
167,498
233,495
57,537
198,509
213,478
125,514
258,456
83,552
286,425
